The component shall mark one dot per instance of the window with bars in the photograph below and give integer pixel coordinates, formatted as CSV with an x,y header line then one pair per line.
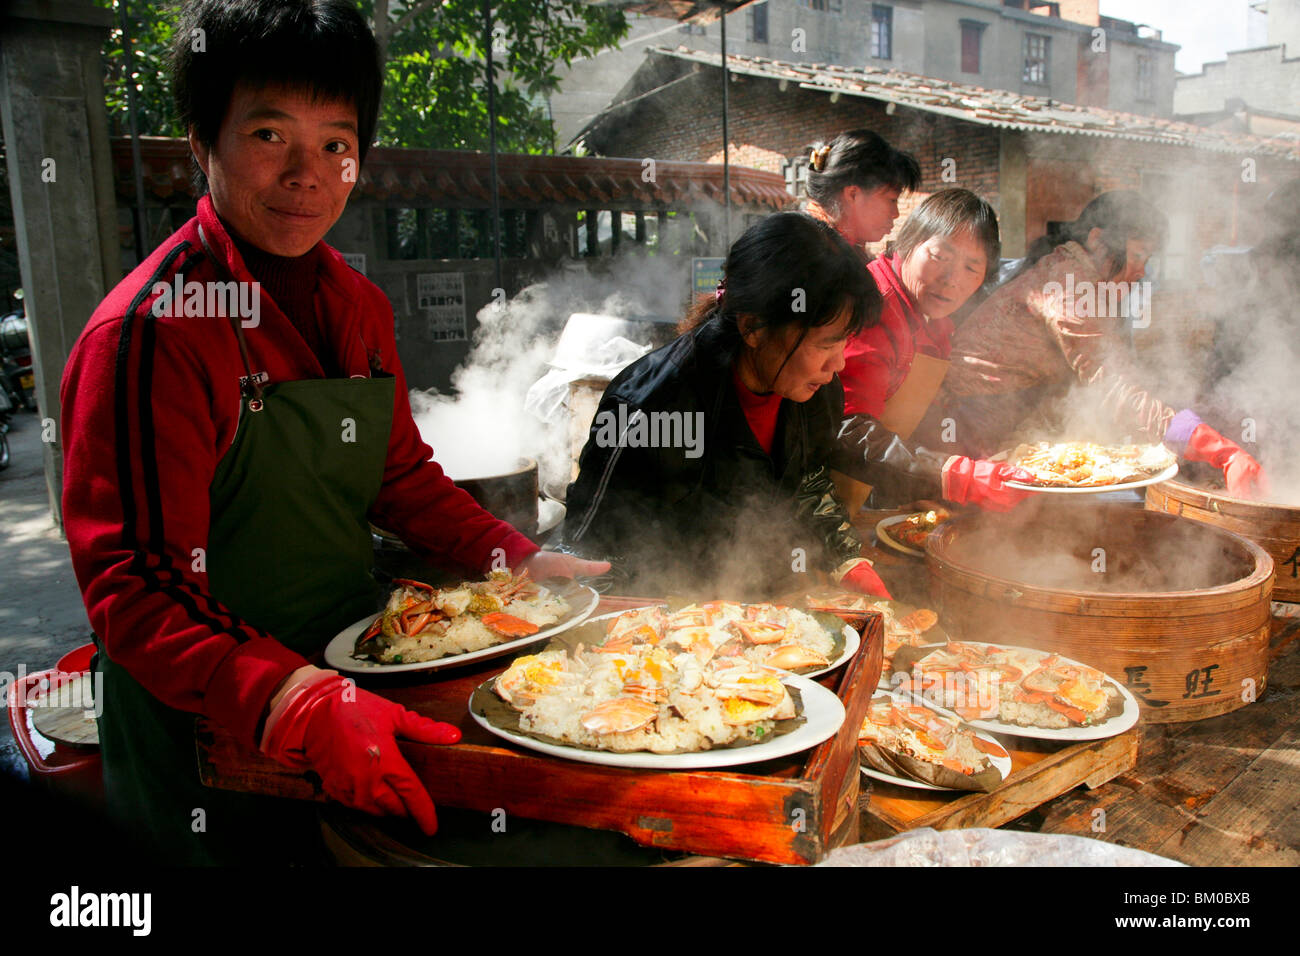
x,y
971,32
758,23
1036,50
882,31
1146,76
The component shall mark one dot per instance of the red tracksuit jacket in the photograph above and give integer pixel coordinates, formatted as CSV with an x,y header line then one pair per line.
x,y
150,406
877,359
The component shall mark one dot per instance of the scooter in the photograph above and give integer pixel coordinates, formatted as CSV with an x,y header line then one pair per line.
x,y
6,412
19,378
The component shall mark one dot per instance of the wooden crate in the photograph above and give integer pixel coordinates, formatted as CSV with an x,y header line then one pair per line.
x,y
791,810
1040,771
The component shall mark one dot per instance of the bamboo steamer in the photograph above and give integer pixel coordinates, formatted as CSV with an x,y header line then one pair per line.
x,y
1176,610
1274,527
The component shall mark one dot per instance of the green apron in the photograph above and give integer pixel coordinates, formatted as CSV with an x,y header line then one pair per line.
x,y
289,551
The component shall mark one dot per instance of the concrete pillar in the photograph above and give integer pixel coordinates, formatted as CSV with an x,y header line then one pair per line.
x,y
61,183
1013,186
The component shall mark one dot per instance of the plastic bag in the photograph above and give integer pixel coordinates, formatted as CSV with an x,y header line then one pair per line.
x,y
980,846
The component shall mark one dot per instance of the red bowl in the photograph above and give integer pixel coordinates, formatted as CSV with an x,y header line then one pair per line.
x,y
76,661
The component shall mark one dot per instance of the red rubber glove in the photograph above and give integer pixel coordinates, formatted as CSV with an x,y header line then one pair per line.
x,y
349,737
1242,473
862,577
982,482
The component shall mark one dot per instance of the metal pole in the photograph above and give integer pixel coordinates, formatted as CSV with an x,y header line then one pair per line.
x,y
138,218
492,137
726,149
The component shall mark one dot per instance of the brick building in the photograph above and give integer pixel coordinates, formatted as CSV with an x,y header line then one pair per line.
x,y
1036,160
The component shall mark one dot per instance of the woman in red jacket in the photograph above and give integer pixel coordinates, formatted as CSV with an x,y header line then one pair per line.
x,y
233,414
945,251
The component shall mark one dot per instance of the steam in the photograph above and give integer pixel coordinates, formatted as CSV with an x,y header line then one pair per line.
x,y
1110,549
481,427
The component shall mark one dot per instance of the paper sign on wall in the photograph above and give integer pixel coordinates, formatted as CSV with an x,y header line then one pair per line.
x,y
440,297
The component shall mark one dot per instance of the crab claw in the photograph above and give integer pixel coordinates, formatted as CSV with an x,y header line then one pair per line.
x,y
409,583
761,632
792,656
373,642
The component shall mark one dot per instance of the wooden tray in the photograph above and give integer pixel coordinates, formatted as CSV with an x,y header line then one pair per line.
x,y
1040,770
791,810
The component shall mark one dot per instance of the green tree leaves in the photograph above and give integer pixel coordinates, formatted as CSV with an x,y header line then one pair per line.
x,y
435,93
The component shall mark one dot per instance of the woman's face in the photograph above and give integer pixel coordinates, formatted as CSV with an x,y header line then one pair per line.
x,y
282,167
867,216
944,271
814,362
1137,252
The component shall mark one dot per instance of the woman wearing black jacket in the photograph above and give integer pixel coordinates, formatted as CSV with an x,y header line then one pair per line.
x,y
705,470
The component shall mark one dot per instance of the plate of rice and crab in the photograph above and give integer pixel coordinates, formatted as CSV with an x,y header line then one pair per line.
x,y
621,699
906,743
1005,689
426,628
1082,468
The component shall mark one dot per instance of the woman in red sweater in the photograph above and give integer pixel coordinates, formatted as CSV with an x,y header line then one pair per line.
x,y
233,414
946,250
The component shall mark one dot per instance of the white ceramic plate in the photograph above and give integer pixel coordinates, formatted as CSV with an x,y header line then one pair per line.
x,y
822,712
1099,489
338,653
1003,764
1107,728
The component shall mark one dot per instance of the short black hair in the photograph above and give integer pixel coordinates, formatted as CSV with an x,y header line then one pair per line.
x,y
1121,215
324,47
950,211
789,269
859,157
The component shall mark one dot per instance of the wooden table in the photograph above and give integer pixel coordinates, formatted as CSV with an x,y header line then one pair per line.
x,y
1216,792
784,810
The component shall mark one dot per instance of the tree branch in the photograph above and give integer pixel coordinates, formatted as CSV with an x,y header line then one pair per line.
x,y
411,14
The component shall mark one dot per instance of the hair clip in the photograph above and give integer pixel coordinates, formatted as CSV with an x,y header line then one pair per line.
x,y
717,293
818,158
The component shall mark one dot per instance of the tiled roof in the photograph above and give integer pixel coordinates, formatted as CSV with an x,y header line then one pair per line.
x,y
698,11
1000,108
463,179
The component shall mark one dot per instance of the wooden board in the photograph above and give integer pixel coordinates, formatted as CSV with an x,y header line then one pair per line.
x,y
1214,792
790,810
1040,770
65,714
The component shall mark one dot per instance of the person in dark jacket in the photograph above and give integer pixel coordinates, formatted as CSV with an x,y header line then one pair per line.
x,y
705,470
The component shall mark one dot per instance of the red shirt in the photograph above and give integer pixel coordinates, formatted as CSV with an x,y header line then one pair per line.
x,y
876,360
761,412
